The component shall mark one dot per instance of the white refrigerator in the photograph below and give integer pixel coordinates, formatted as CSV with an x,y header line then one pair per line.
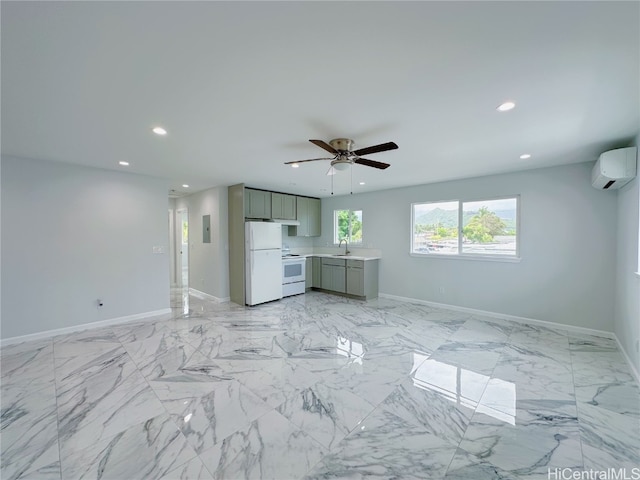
x,y
263,258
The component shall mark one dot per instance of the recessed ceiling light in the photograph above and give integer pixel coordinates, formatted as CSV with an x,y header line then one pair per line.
x,y
294,165
123,163
524,156
361,183
184,185
505,107
159,131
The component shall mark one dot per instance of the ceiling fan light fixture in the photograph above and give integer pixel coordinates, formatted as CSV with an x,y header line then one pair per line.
x,y
341,165
295,165
506,106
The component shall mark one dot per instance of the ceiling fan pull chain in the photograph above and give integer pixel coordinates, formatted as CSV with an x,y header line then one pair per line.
x,y
351,170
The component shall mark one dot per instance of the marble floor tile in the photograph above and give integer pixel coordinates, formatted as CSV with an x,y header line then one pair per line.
x,y
366,379
445,414
192,470
29,437
480,357
536,374
316,386
270,447
465,466
386,446
206,419
609,439
538,436
327,413
26,369
149,449
272,380
103,401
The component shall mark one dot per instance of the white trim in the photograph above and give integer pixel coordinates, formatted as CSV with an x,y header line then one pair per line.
x,y
466,256
504,316
634,371
637,274
85,326
206,296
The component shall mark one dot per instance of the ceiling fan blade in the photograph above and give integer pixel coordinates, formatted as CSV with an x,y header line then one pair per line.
x,y
332,170
383,147
371,163
309,160
325,145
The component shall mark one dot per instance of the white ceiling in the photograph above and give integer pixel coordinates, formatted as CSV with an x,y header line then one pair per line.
x,y
242,86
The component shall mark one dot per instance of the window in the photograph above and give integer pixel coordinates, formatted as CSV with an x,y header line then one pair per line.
x,y
466,228
347,225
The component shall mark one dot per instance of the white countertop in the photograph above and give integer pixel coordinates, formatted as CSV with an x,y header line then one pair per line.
x,y
329,255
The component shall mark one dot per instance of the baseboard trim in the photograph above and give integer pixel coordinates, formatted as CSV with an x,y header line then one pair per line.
x,y
85,326
504,316
206,296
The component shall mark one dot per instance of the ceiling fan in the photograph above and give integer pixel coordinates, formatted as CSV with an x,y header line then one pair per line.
x,y
344,155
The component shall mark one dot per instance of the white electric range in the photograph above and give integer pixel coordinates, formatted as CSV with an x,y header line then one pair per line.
x,y
293,274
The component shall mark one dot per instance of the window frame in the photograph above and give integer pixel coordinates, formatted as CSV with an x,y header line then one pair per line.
x,y
461,255
336,240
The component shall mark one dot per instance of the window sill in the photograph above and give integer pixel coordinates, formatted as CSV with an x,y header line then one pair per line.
x,y
480,258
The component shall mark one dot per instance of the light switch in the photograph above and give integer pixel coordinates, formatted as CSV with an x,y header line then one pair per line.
x,y
158,249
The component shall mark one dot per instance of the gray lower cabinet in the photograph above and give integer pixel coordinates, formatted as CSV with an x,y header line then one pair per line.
x,y
333,275
353,277
362,278
316,279
308,279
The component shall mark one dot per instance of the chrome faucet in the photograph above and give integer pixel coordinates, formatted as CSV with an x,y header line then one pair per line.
x,y
346,246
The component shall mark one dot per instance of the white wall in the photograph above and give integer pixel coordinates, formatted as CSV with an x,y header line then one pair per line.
x,y
567,246
208,262
71,235
627,311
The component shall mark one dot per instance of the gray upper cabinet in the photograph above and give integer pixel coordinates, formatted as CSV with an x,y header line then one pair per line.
x,y
308,214
283,206
257,204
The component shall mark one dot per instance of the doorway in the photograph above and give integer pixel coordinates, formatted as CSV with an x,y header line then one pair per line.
x,y
182,237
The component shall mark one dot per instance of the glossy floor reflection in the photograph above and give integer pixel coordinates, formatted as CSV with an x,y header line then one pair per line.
x,y
316,386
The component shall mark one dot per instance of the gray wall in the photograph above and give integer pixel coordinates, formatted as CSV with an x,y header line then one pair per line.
x,y
567,247
71,235
627,313
208,262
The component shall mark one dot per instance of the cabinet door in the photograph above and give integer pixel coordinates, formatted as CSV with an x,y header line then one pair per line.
x,y
317,273
327,277
308,280
339,279
355,281
257,204
276,205
288,207
303,216
314,217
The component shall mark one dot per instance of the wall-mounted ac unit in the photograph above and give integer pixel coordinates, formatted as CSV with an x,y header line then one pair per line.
x,y
614,168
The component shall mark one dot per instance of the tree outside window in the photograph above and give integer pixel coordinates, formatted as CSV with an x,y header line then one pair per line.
x,y
347,226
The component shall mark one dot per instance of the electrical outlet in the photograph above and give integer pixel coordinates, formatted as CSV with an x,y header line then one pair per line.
x,y
441,290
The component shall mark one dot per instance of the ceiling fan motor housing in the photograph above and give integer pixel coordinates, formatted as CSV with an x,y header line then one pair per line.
x,y
344,144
